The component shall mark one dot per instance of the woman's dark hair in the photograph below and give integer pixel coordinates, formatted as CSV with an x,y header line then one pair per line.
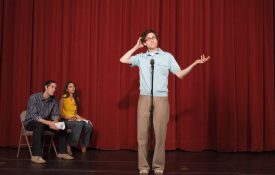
x,y
66,94
145,33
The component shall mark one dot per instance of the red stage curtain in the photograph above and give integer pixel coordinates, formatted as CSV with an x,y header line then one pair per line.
x,y
226,104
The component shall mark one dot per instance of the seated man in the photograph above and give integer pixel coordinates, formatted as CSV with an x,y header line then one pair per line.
x,y
42,114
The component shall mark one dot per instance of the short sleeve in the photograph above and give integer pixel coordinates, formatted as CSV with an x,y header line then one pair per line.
x,y
135,60
174,66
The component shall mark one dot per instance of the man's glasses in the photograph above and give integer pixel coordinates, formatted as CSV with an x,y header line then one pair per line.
x,y
148,38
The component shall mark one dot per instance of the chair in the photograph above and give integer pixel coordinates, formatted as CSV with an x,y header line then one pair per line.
x,y
28,134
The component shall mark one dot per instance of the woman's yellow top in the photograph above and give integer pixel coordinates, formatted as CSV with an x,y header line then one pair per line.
x,y
69,108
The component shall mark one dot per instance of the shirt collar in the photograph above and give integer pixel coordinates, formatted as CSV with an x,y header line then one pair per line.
x,y
42,99
159,51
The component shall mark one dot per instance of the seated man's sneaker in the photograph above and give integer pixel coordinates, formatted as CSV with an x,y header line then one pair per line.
x,y
158,172
143,172
64,156
37,159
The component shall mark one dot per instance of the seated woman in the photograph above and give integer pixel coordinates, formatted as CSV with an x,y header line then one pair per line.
x,y
69,103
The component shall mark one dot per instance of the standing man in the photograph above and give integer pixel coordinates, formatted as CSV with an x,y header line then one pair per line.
x,y
42,114
163,63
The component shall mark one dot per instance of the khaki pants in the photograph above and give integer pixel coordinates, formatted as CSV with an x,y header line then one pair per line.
x,y
160,120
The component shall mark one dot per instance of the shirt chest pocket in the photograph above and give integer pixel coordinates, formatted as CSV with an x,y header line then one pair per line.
x,y
162,69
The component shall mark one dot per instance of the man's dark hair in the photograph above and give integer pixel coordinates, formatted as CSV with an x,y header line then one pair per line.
x,y
145,33
48,83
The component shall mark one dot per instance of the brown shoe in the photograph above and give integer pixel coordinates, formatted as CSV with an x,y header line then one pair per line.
x,y
64,156
37,159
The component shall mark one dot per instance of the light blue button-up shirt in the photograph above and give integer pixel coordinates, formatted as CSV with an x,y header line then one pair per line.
x,y
164,62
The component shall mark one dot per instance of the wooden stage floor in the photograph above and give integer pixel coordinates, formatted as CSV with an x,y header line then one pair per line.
x,y
125,162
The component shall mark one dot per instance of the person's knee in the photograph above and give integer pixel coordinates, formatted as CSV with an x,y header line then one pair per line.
x,y
88,127
142,141
79,125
